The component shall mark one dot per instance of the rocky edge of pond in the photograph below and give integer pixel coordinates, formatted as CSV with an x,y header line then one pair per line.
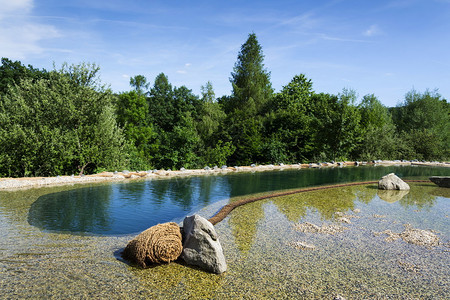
x,y
35,182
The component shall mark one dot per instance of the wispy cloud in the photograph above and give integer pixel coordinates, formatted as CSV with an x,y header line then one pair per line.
x,y
372,30
8,7
20,36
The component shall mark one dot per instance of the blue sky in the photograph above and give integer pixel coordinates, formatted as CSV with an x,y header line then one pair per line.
x,y
384,47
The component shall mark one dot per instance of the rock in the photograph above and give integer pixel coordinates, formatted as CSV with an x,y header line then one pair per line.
x,y
419,236
413,236
201,246
344,220
442,181
392,182
302,246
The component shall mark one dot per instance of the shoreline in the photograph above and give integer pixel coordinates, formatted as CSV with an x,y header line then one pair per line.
x,y
11,184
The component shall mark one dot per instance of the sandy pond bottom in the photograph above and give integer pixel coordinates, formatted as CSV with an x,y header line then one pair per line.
x,y
268,256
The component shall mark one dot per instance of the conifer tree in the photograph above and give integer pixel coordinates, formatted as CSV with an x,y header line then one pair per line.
x,y
252,88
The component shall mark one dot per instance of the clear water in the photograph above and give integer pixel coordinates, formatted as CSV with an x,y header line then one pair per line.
x,y
118,208
258,240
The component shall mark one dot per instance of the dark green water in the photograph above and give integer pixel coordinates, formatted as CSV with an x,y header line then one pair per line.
x,y
118,208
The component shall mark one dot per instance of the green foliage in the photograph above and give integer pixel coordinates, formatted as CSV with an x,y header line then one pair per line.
x,y
132,116
252,88
13,72
219,154
140,84
173,112
288,129
336,123
379,137
66,121
59,125
423,122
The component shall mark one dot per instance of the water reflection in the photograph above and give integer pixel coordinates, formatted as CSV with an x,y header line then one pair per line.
x,y
325,202
392,196
244,225
125,208
85,209
132,207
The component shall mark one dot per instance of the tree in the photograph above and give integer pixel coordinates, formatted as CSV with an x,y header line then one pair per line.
x,y
208,95
296,95
13,72
245,108
140,84
251,84
288,135
379,138
59,125
425,117
173,112
133,117
337,125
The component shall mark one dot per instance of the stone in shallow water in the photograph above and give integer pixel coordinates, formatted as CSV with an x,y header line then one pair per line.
x,y
302,245
413,236
326,229
392,182
201,246
419,236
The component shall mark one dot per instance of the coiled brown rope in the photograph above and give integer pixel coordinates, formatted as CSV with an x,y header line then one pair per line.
x,y
159,244
224,211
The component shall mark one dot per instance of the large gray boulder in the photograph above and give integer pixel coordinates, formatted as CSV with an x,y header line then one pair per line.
x,y
392,182
201,246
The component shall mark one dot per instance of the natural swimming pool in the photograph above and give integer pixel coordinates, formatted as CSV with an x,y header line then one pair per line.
x,y
133,207
260,244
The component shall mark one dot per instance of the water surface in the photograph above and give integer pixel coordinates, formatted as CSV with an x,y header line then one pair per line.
x,y
119,208
257,242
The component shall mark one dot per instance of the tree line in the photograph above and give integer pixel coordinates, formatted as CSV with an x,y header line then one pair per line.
x,y
65,121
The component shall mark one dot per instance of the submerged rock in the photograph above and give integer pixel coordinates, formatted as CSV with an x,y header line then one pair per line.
x,y
326,229
302,246
419,236
201,246
413,236
392,182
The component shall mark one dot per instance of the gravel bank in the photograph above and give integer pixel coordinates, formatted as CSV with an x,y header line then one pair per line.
x,y
36,182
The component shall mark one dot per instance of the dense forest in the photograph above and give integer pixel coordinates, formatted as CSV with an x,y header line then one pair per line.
x,y
66,121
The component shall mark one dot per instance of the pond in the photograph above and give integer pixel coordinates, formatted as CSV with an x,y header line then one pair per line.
x,y
268,256
133,207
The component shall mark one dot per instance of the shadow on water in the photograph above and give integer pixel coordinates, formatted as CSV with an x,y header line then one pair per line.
x,y
124,208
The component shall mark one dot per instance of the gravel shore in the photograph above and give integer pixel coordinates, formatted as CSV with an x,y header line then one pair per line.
x,y
36,182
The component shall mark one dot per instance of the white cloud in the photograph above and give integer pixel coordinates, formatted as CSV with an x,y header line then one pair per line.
x,y
20,36
15,6
181,71
372,30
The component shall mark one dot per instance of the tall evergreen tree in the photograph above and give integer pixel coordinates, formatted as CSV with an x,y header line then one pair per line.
x,y
252,91
252,88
